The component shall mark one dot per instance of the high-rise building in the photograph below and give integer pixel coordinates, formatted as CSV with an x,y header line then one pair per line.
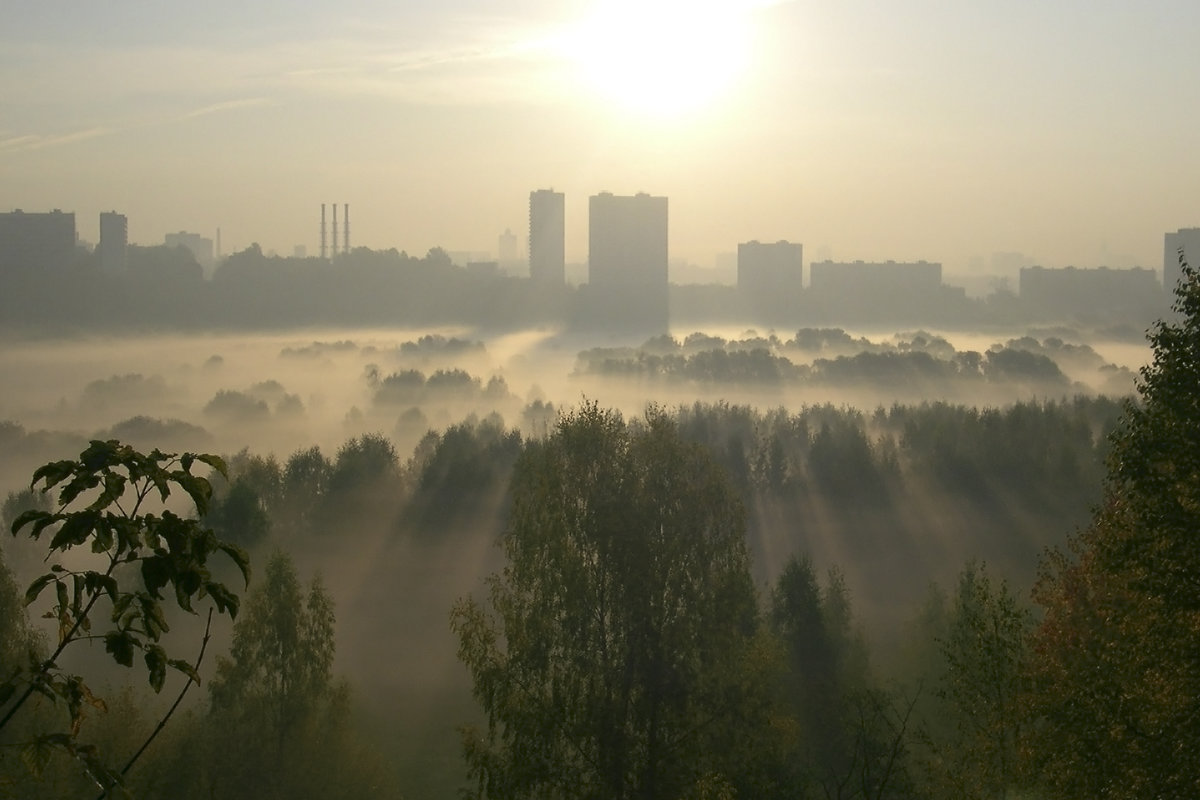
x,y
1187,240
113,249
627,261
36,241
547,236
770,276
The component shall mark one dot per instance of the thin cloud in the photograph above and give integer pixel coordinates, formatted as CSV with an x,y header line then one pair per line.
x,y
26,142
228,105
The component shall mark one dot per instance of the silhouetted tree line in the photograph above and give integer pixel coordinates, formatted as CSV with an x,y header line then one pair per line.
x,y
917,364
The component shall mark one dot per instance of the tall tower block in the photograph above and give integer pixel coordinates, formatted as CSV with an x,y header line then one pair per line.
x,y
627,262
547,237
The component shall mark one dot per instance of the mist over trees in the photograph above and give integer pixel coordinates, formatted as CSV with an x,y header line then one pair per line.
x,y
709,598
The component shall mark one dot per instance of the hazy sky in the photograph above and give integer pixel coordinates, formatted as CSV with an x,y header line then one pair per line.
x,y
935,129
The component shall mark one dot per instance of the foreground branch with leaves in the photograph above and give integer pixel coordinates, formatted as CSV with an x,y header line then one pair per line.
x,y
112,500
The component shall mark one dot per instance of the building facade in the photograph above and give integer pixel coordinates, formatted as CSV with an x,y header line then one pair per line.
x,y
1187,240
547,237
770,277
879,292
1091,295
33,242
113,250
627,262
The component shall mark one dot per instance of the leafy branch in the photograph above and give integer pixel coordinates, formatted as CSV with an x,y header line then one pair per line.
x,y
102,504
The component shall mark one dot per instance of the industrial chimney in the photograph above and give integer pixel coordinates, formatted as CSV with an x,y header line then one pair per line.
x,y
335,242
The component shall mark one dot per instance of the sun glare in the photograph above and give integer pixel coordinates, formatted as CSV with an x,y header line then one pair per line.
x,y
662,57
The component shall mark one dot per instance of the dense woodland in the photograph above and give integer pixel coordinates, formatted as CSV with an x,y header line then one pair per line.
x,y
709,600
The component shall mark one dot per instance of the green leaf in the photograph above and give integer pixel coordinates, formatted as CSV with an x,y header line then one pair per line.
x,y
156,573
114,488
75,530
53,474
240,558
36,587
31,515
64,601
216,462
120,645
77,486
182,666
153,618
224,599
36,756
96,581
199,489
156,663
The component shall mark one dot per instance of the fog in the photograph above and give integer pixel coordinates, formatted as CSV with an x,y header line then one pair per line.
x,y
276,393
394,579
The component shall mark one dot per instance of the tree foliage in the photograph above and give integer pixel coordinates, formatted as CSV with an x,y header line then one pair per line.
x,y
974,752
839,734
279,722
137,555
1117,668
610,663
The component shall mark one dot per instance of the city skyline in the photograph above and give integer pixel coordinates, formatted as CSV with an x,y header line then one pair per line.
x,y
930,132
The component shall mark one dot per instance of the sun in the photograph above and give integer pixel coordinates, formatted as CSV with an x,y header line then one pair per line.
x,y
662,58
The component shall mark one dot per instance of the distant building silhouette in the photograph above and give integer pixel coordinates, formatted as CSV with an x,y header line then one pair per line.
x,y
886,291
1187,239
113,249
31,242
506,249
201,247
1091,295
547,236
770,277
627,262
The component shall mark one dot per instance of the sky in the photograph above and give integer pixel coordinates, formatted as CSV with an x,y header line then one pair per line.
x,y
931,129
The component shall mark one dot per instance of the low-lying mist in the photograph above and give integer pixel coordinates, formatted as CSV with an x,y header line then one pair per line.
x,y
895,458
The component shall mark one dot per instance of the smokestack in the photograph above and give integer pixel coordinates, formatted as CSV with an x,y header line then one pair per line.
x,y
346,228
218,244
322,231
335,244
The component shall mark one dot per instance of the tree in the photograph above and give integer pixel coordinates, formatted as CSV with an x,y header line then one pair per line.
x,y
1116,673
610,664
279,720
136,555
281,662
985,654
305,482
842,737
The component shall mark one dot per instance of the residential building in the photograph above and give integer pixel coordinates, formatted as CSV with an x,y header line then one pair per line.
x,y
547,236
